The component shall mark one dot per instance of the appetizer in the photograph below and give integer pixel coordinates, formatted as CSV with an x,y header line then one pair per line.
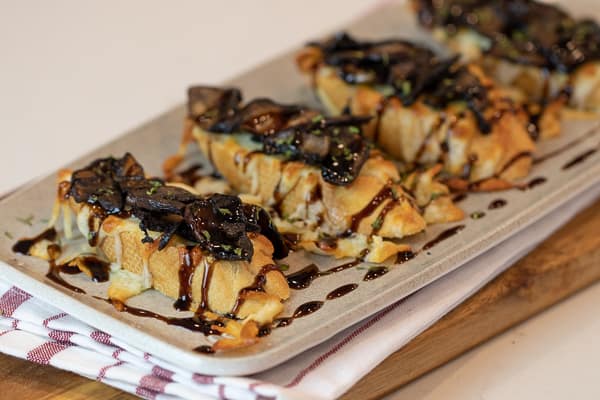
x,y
213,254
322,180
425,109
548,56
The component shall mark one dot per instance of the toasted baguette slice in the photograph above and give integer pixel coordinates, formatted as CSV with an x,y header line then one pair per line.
x,y
363,217
538,49
425,110
218,285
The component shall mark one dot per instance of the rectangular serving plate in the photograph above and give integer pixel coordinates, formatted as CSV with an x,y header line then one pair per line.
x,y
155,141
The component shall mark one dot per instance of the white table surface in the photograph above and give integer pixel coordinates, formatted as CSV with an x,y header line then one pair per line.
x,y
76,74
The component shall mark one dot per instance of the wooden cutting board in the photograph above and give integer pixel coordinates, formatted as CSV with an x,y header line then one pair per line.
x,y
565,263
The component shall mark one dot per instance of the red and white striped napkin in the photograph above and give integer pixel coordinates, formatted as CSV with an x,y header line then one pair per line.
x,y
34,330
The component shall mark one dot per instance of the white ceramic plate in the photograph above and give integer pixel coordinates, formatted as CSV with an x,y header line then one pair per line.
x,y
154,141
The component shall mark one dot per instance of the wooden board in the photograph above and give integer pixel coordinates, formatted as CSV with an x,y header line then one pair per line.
x,y
544,277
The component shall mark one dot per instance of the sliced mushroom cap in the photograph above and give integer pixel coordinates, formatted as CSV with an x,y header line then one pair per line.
x,y
208,105
219,223
155,197
260,117
334,144
220,230
98,183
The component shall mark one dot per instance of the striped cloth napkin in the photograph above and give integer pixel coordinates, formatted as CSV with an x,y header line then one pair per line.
x,y
34,330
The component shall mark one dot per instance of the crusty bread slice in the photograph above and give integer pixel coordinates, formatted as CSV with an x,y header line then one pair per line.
x,y
292,188
419,134
252,292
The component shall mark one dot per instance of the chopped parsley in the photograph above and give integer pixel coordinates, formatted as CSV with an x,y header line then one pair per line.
x,y
377,223
224,211
406,88
27,221
283,267
477,215
435,196
105,191
154,188
353,129
206,234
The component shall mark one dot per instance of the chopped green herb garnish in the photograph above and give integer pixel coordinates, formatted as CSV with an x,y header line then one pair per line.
x,y
477,215
406,88
26,221
206,234
377,223
154,188
224,211
435,196
105,191
283,267
387,91
226,247
385,58
91,235
353,129
8,235
316,132
238,251
317,118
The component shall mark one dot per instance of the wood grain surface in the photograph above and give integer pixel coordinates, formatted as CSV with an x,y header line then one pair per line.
x,y
565,263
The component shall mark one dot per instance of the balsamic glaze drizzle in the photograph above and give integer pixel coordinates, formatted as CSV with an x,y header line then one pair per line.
x,y
341,291
580,158
303,278
23,246
375,272
498,203
196,323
